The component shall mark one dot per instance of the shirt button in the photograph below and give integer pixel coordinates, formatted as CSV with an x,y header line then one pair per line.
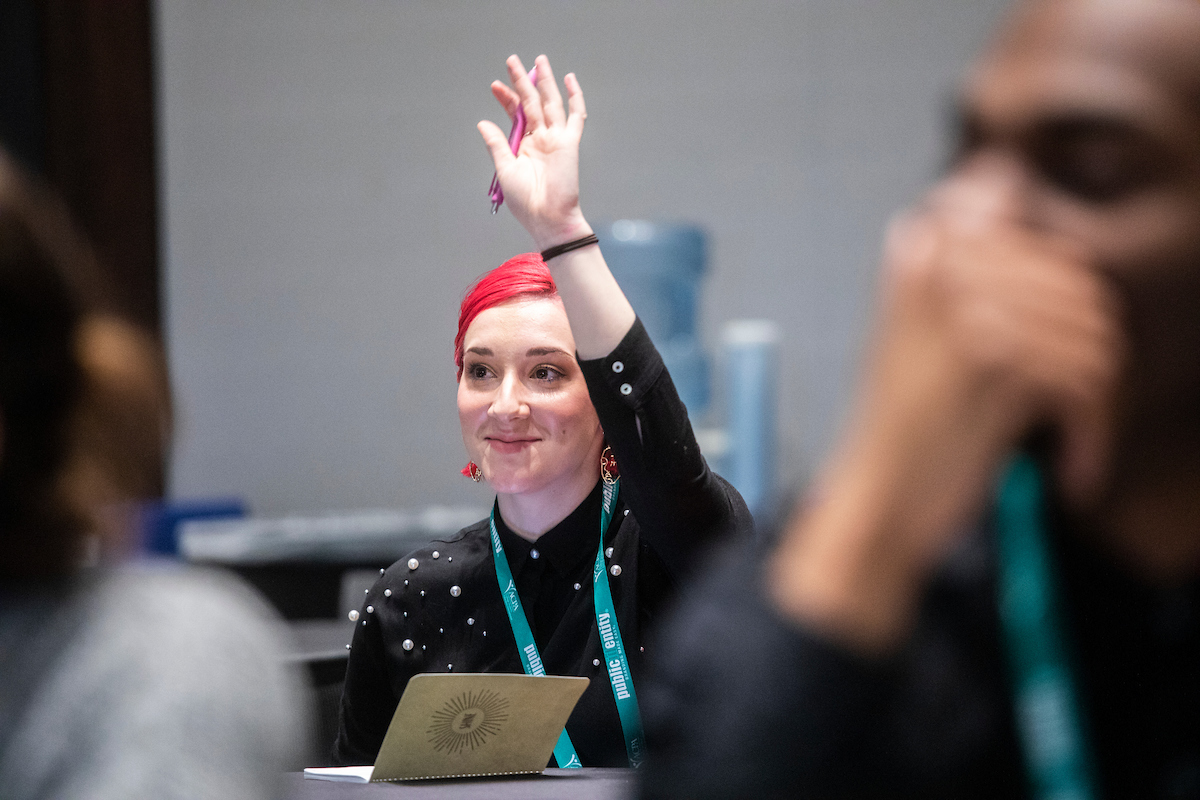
x,y
534,554
617,366
626,388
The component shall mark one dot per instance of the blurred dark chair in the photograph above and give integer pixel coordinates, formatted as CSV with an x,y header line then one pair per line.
x,y
320,648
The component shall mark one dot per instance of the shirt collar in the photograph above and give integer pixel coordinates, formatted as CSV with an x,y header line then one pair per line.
x,y
566,544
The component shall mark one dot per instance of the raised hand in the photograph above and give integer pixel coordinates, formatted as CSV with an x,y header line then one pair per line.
x,y
541,182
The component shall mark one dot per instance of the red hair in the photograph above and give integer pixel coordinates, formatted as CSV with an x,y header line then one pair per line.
x,y
523,275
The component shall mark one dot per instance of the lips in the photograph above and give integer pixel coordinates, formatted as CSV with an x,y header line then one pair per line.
x,y
509,445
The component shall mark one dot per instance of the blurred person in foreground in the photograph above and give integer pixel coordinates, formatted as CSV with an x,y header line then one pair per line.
x,y
1043,298
116,681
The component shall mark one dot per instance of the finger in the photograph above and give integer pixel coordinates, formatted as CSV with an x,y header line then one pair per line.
x,y
970,206
575,104
1073,313
1073,374
910,239
1055,357
1043,297
497,144
1032,281
911,263
507,98
1084,414
531,101
1084,452
547,86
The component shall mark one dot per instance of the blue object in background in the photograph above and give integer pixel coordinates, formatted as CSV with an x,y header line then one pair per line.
x,y
161,520
750,359
659,268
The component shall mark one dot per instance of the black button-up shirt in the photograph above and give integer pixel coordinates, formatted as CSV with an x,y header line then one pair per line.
x,y
446,613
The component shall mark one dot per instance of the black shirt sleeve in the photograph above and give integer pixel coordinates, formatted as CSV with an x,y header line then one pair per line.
x,y
367,701
681,504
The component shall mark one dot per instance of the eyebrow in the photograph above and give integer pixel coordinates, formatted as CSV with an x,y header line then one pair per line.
x,y
1064,119
533,351
546,351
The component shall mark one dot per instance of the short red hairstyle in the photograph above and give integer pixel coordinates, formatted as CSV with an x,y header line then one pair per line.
x,y
523,275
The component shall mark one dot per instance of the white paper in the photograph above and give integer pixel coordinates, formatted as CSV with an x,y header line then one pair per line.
x,y
344,774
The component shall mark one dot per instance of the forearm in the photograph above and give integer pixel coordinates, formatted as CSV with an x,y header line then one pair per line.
x,y
841,567
541,184
681,505
597,309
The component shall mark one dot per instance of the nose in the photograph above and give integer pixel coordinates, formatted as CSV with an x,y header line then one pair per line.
x,y
509,402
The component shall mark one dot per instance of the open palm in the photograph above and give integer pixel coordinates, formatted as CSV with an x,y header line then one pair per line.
x,y
541,182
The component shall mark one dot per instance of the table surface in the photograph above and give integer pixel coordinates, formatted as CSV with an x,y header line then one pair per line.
x,y
589,783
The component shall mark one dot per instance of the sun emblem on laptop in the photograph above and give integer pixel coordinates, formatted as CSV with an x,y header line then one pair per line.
x,y
467,721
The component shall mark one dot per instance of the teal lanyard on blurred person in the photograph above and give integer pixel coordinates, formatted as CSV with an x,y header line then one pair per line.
x,y
1046,703
615,661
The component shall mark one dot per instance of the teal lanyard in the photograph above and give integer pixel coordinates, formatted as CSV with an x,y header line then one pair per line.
x,y
616,663
1046,702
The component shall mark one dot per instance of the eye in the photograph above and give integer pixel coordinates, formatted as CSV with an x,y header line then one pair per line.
x,y
546,374
1097,163
477,371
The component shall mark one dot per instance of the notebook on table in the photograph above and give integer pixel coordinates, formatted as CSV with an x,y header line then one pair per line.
x,y
469,725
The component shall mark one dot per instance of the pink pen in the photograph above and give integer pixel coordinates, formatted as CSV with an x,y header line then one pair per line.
x,y
514,142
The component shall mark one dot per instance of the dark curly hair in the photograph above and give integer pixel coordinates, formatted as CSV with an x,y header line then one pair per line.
x,y
44,268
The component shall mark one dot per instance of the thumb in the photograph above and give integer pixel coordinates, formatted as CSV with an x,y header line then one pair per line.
x,y
496,144
1082,461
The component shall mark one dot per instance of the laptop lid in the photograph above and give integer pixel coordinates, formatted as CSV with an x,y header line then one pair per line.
x,y
474,724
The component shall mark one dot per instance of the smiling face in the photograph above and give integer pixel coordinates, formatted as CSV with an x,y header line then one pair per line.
x,y
526,416
1083,122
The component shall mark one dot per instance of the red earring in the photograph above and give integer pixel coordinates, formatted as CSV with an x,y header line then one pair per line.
x,y
609,472
472,471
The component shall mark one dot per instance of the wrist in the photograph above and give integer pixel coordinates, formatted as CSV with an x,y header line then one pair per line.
x,y
844,568
568,230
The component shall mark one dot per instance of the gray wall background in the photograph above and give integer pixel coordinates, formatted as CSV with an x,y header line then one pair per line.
x,y
323,190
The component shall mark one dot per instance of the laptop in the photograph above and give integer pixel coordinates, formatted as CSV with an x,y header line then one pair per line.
x,y
469,725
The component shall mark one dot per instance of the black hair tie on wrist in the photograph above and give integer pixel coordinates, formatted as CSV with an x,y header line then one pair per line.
x,y
566,247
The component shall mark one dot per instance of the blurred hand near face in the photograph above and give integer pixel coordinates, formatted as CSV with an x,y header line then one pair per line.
x,y
986,331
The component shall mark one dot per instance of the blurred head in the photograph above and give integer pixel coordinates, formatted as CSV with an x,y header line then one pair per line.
x,y
63,456
527,419
1082,121
121,430
41,380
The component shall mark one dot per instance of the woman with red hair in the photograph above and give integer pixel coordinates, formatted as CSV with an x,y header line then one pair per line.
x,y
603,500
